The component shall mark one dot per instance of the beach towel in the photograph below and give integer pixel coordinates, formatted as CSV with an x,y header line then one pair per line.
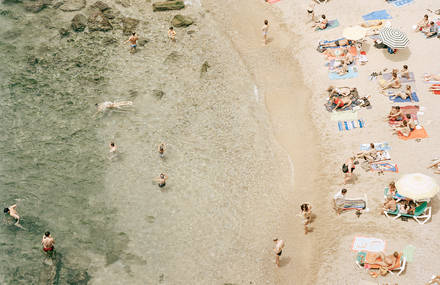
x,y
273,1
388,76
377,15
355,105
377,146
437,86
355,204
330,25
368,244
344,116
352,73
349,125
384,166
408,252
412,110
401,3
416,134
400,100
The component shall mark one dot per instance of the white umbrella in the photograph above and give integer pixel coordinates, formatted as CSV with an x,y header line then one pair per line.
x,y
417,186
393,38
354,33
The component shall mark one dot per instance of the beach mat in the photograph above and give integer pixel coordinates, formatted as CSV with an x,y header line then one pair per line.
x,y
350,125
388,76
412,110
401,3
344,116
273,1
355,204
377,146
368,244
377,15
408,252
331,24
416,134
400,100
350,74
384,166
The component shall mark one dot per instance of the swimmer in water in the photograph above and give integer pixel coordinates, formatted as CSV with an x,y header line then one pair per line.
x,y
161,181
112,147
112,105
172,34
48,242
133,42
161,149
12,211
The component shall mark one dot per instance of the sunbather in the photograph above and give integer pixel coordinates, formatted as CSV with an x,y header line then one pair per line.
x,y
341,102
404,95
432,30
411,123
435,165
387,261
423,24
432,77
403,129
371,23
339,201
339,91
344,68
322,23
394,82
412,208
369,155
390,205
434,280
395,114
404,73
338,43
391,190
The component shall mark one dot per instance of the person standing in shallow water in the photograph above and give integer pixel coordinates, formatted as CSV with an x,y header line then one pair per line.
x,y
112,147
172,34
161,150
48,243
265,29
133,42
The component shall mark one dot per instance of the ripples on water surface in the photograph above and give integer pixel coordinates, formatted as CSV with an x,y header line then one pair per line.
x,y
214,220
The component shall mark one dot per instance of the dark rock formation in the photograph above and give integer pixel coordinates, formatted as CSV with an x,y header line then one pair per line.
x,y
129,25
168,5
181,21
204,68
158,93
101,6
98,22
64,32
79,23
143,42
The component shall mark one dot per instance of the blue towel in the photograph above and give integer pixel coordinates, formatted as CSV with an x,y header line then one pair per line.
x,y
377,15
400,3
400,100
349,125
331,24
377,146
351,74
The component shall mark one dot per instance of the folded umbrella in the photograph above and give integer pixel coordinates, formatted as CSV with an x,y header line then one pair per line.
x,y
393,38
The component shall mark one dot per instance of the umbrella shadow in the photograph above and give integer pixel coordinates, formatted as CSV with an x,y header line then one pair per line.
x,y
401,55
435,205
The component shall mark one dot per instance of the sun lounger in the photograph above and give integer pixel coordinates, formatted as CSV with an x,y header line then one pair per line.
x,y
362,259
422,213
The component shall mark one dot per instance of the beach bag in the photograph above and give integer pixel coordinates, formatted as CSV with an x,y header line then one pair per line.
x,y
344,168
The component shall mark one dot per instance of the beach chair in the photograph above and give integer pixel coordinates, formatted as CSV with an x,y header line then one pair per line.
x,y
396,197
362,257
422,213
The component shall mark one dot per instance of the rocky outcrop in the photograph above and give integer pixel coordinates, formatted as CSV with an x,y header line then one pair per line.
x,y
79,23
98,22
129,25
168,5
142,42
72,5
158,93
181,21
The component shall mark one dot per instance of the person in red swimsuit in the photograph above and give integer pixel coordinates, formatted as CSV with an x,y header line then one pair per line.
x,y
341,102
48,242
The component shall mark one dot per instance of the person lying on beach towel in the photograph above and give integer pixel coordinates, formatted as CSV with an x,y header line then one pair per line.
x,y
387,261
423,24
403,95
403,129
432,77
395,114
370,154
390,205
339,201
337,43
394,82
341,102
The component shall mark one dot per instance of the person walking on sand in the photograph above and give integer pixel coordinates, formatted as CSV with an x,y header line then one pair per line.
x,y
278,249
12,211
172,34
48,242
133,42
161,150
306,211
265,29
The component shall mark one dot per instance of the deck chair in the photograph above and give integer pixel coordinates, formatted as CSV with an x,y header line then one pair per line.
x,y
396,197
361,261
422,213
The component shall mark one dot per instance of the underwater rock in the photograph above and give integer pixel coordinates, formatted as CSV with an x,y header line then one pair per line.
x,y
98,22
142,42
34,6
172,57
79,23
181,21
158,93
129,25
72,5
204,68
101,6
168,5
64,32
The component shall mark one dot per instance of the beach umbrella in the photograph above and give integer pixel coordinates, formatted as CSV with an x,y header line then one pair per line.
x,y
393,38
354,33
417,186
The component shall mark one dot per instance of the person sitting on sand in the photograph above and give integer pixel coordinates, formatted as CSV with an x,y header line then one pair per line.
x,y
404,73
432,77
112,105
403,129
391,190
395,114
306,211
341,102
394,82
404,95
322,23
423,24
432,30
348,168
12,211
339,201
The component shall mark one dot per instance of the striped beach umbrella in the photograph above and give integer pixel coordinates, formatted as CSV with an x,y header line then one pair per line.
x,y
393,38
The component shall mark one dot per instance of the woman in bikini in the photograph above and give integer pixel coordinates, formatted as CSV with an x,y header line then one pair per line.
x,y
402,129
394,82
404,95
306,211
395,114
348,167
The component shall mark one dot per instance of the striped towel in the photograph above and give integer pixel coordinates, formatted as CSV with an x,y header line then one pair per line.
x,y
378,146
349,125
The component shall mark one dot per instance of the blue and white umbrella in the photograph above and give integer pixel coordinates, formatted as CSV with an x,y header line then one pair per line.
x,y
393,38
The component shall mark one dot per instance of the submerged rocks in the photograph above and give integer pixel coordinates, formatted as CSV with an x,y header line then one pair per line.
x,y
79,23
101,6
204,68
168,5
129,25
98,22
158,93
34,6
72,5
64,32
181,21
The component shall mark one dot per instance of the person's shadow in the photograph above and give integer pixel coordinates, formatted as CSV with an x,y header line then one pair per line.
x,y
284,261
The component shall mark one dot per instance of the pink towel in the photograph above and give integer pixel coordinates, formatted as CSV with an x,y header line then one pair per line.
x,y
273,1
